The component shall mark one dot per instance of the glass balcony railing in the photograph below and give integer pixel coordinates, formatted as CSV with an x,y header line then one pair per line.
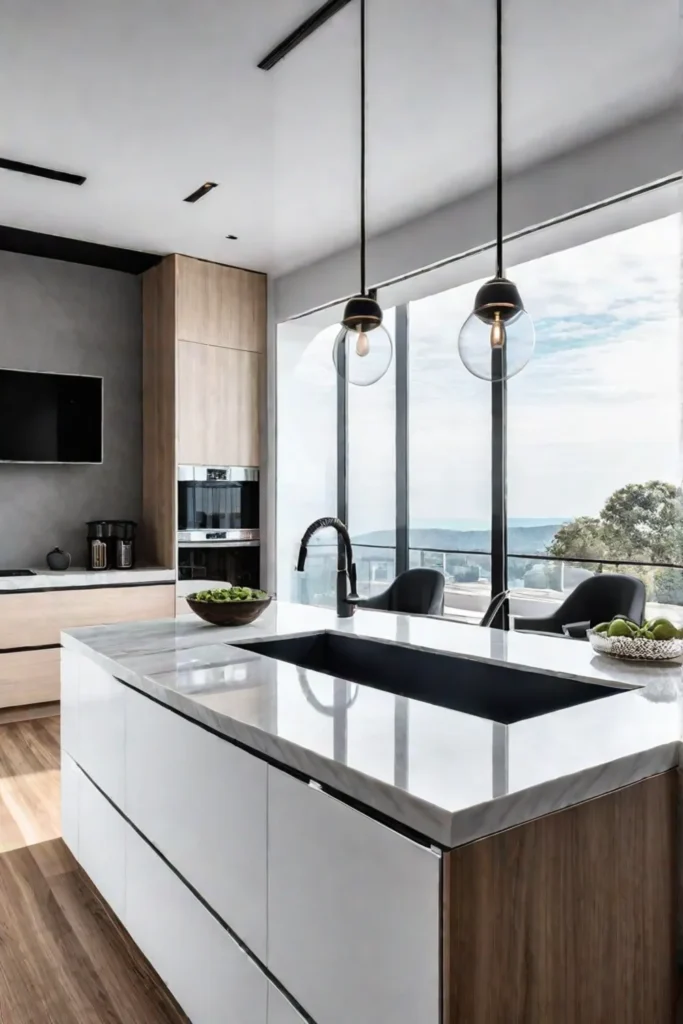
x,y
538,583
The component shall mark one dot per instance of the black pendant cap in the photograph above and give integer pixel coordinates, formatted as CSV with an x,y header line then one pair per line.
x,y
498,296
362,314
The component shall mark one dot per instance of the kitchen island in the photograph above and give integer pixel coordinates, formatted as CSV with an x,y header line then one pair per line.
x,y
288,845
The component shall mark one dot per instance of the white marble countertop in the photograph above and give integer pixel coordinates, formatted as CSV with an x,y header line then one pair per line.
x,y
450,776
46,579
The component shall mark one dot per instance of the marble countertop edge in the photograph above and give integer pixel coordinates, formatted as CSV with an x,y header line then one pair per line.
x,y
513,809
78,578
447,828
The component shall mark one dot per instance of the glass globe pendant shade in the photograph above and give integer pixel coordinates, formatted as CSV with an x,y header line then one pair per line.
x,y
363,349
497,339
367,355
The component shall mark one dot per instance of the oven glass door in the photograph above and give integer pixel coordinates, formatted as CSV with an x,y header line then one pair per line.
x,y
218,505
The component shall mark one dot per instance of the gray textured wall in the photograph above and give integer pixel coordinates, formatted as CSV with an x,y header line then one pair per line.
x,y
71,319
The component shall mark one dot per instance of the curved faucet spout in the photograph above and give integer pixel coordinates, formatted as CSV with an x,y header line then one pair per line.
x,y
346,569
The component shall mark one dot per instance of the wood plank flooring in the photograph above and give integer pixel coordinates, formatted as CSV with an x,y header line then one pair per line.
x,y
64,958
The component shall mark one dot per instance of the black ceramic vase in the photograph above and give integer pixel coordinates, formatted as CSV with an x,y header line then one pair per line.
x,y
58,560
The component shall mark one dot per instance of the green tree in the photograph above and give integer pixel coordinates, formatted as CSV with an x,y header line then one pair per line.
x,y
581,538
639,522
668,586
642,522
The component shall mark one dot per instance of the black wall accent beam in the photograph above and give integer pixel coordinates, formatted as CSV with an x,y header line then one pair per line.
x,y
74,250
41,172
304,30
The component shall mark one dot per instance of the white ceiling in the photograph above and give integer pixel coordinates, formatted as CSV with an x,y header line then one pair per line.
x,y
150,98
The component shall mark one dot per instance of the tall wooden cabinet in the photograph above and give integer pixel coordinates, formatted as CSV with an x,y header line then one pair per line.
x,y
218,405
203,373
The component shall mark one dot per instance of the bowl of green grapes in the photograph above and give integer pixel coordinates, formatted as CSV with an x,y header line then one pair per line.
x,y
229,606
654,640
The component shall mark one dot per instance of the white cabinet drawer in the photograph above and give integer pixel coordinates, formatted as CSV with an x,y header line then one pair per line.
x,y
353,911
101,844
203,803
101,734
280,1010
70,784
210,976
69,670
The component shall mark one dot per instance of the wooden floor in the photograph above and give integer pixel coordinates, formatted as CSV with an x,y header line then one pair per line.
x,y
63,958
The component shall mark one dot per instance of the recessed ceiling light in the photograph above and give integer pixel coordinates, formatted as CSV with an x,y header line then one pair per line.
x,y
231,238
202,191
41,172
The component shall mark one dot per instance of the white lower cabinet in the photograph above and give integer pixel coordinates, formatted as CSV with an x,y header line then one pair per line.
x,y
102,845
70,784
202,802
280,1010
68,698
210,976
353,911
101,733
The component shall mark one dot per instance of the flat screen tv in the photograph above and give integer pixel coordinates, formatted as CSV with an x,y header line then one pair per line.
x,y
50,417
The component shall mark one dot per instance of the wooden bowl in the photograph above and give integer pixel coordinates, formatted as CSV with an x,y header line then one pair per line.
x,y
228,613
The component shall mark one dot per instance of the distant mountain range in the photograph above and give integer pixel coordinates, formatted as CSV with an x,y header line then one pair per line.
x,y
525,540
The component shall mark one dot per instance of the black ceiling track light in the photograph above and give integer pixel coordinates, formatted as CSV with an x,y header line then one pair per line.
x,y
303,31
363,349
42,172
200,192
497,339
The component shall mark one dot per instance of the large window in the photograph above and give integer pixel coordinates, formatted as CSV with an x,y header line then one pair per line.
x,y
372,477
594,419
449,449
593,438
306,458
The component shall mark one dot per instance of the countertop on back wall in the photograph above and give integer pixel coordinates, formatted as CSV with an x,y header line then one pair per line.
x,y
81,577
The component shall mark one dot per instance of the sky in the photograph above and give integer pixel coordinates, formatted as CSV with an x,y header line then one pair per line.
x,y
597,407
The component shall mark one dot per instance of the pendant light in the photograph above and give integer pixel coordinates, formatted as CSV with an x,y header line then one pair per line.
x,y
363,348
497,339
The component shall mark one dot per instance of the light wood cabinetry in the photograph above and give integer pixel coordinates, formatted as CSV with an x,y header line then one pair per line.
x,y
36,619
203,373
29,677
157,533
569,918
219,305
218,399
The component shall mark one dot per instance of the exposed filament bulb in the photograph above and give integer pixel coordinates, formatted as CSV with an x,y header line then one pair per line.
x,y
362,345
497,332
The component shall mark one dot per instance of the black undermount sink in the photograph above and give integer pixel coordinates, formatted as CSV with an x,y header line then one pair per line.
x,y
501,694
17,572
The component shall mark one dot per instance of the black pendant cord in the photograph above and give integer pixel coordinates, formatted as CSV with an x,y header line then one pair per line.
x,y
363,230
499,138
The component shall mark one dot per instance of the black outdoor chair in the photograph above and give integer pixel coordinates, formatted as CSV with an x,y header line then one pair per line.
x,y
595,600
414,592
